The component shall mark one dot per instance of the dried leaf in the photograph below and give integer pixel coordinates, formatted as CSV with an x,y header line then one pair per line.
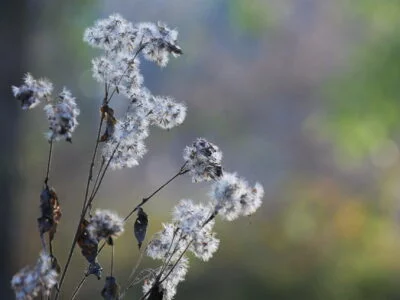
x,y
88,246
108,115
111,290
51,212
140,226
55,265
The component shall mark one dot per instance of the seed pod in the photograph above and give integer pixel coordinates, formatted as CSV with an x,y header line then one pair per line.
x,y
51,212
140,226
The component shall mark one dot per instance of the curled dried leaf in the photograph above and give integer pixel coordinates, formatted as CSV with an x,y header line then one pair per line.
x,y
50,212
111,290
140,226
108,115
89,248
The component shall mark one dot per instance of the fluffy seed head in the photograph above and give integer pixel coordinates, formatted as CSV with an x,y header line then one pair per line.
x,y
32,91
29,282
232,196
62,117
105,224
203,160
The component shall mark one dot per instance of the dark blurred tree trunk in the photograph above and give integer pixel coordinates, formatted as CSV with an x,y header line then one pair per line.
x,y
13,16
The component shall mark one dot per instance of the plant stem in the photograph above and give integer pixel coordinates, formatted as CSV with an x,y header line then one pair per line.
x,y
96,188
46,179
158,281
95,182
84,207
144,200
77,289
112,260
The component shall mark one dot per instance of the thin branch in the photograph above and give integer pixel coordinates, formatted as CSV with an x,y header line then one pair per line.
x,y
50,246
165,264
112,260
158,280
46,179
144,200
182,171
136,266
96,189
92,162
176,263
77,289
84,207
96,182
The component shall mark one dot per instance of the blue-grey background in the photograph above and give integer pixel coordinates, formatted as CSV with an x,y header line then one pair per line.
x,y
301,95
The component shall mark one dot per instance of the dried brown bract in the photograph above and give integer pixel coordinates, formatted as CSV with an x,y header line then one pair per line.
x,y
89,249
111,290
50,212
108,115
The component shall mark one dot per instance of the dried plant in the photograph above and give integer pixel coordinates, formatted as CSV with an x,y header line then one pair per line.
x,y
120,143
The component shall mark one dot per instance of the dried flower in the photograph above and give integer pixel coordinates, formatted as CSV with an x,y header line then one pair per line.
x,y
174,273
105,224
190,218
167,113
127,146
119,71
165,241
194,220
62,117
203,160
233,196
32,91
113,34
29,282
160,41
204,244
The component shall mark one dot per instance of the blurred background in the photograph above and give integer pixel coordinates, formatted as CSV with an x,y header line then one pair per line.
x,y
301,95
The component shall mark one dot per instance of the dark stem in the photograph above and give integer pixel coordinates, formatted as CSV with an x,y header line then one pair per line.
x,y
46,179
90,177
96,188
84,207
169,249
50,246
77,289
158,280
144,200
96,182
176,263
112,260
